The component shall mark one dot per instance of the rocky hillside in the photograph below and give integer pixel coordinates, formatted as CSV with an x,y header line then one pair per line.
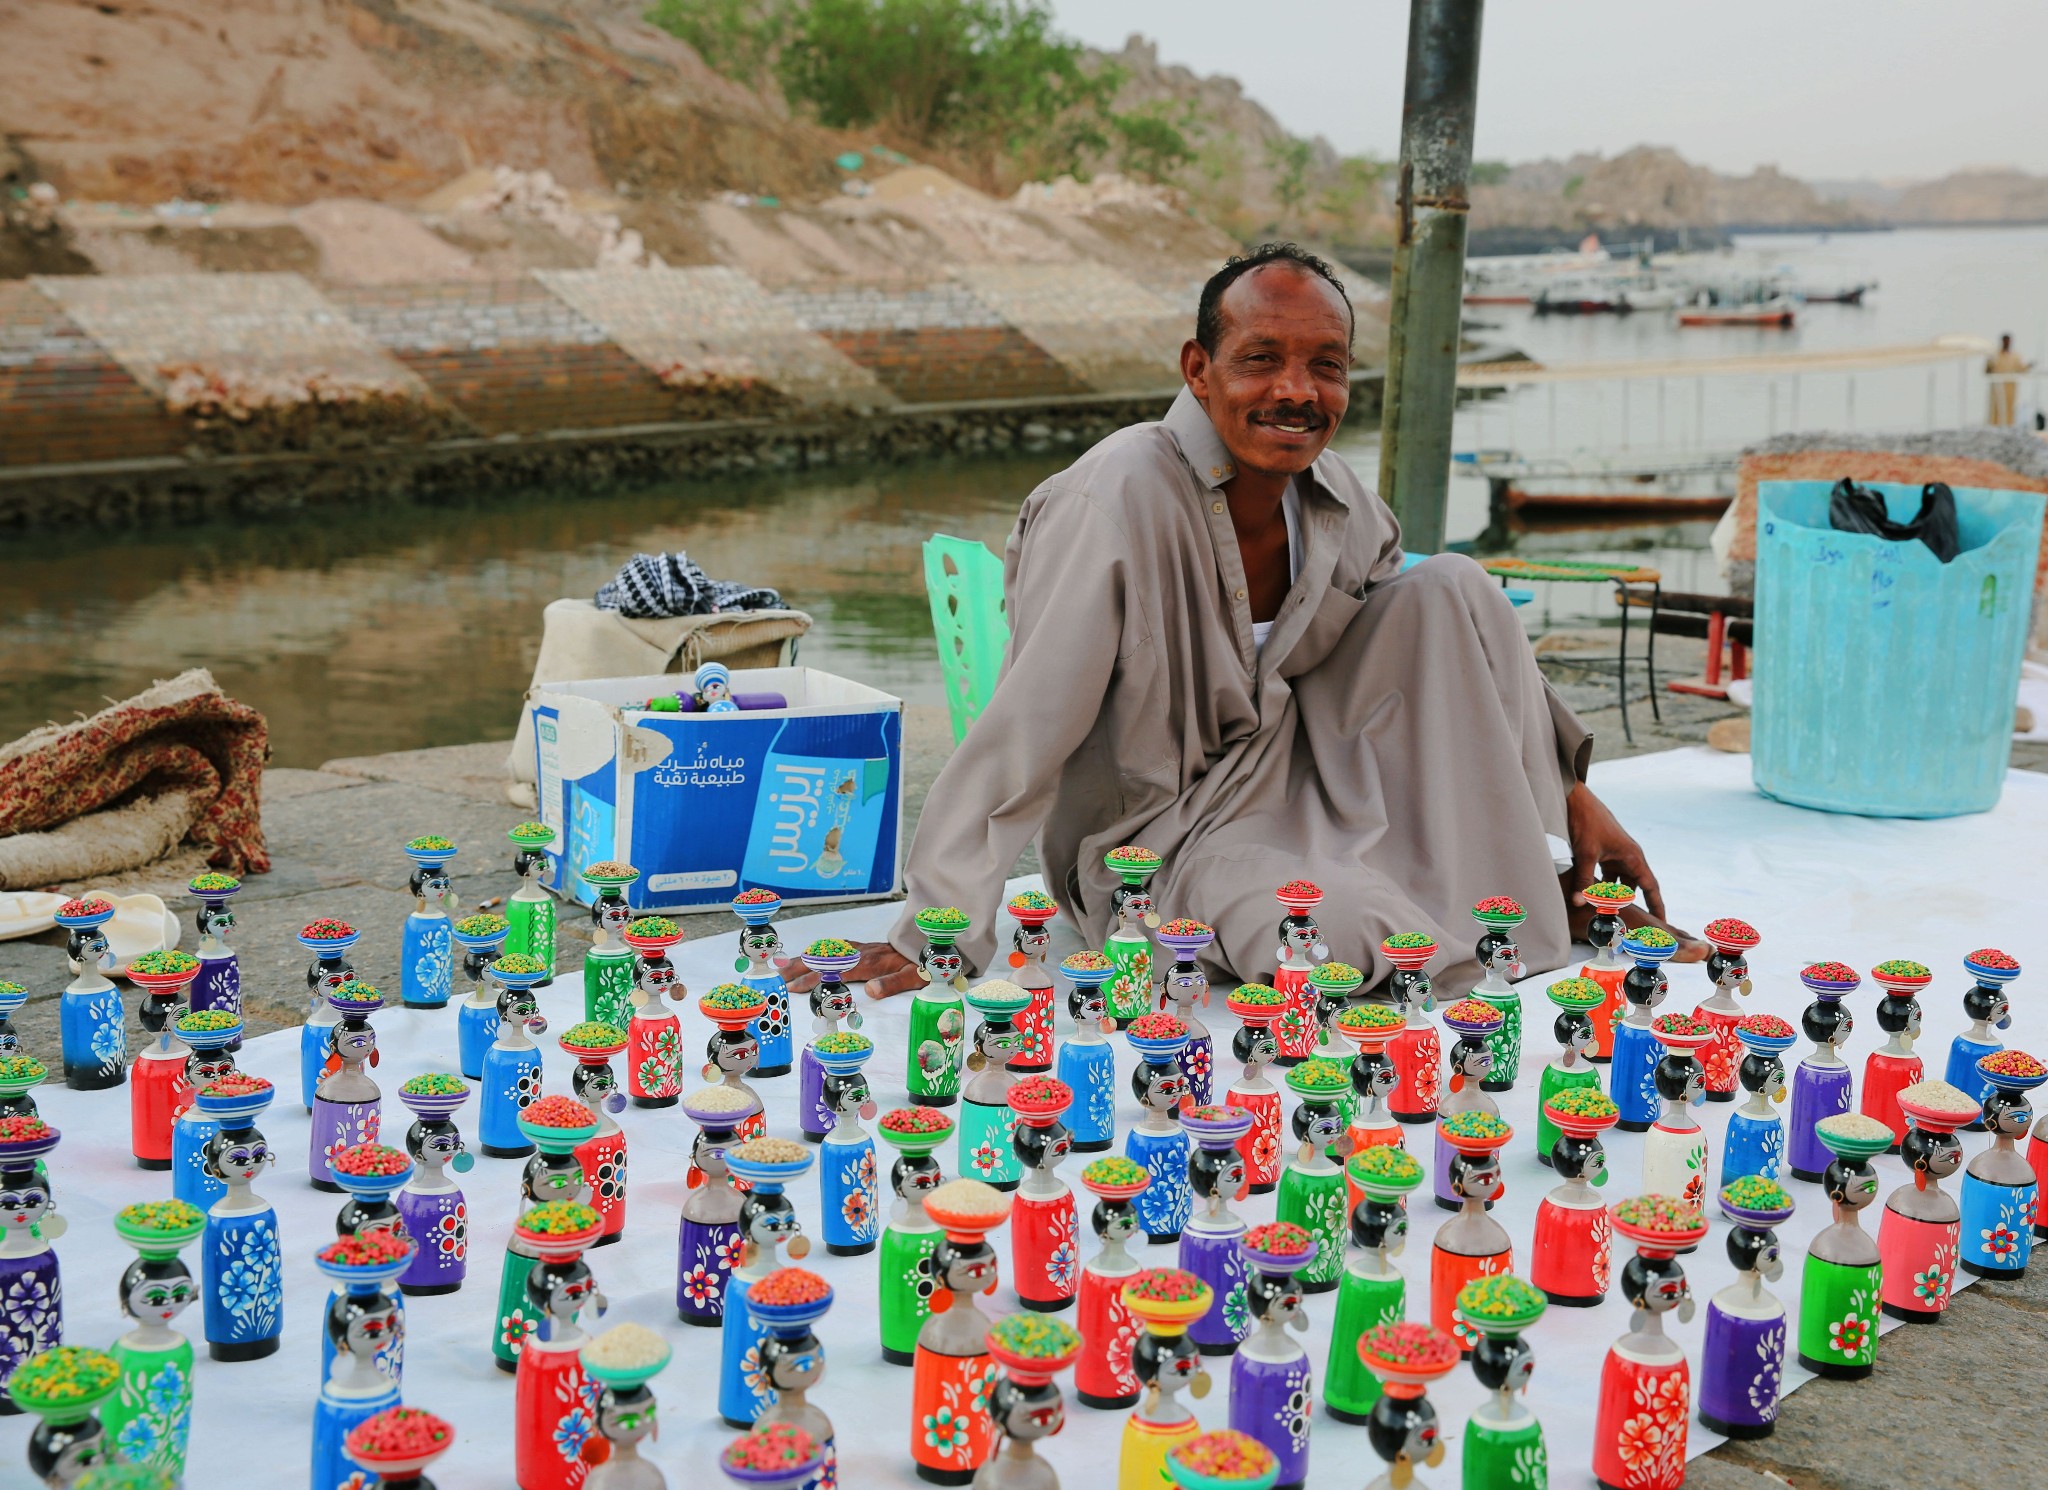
x,y
1988,196
1648,188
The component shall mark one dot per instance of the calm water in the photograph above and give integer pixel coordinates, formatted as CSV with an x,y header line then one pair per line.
x,y
399,628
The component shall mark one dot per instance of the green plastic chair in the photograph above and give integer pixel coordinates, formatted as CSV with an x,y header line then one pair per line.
x,y
965,584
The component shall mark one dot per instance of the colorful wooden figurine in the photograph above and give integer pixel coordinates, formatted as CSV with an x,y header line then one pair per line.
x,y
31,1291
654,1036
554,1402
89,1014
1403,1428
2000,1194
1503,1441
1333,989
1271,1381
938,1021
1256,1046
759,966
1841,1283
12,997
219,984
1755,1141
1223,1460
1301,948
241,1262
431,1205
348,1107
1609,898
1577,999
1920,1236
1988,1007
1893,1066
916,1133
1370,1027
1086,1061
1823,1084
1185,983
832,1003
1471,1244
149,1421
1742,1364
372,1173
1165,1302
1158,1141
1104,1377
768,1223
1500,966
1415,1050
328,940
396,1445
1572,1261
1217,1174
1675,1149
786,1307
481,937
1045,1253
1645,1384
1475,1022
426,950
592,1044
951,1431
1029,944
20,1073
213,1035
608,965
512,1072
1633,1081
1132,910
1026,1406
708,1239
530,909
1372,1291
360,1324
621,1361
774,1456
730,1053
157,1088
554,1126
64,1387
1312,1187
849,1191
986,1120
1728,968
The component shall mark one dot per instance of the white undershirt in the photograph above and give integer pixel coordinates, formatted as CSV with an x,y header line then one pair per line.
x,y
1290,509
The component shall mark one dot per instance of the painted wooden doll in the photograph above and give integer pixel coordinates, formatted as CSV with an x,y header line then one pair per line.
x,y
951,1431
1475,1022
157,1086
1403,1428
219,984
1185,983
1823,1085
64,1387
1645,1383
426,950
832,1004
481,937
1165,1301
592,1044
2000,1195
1633,1081
1029,944
849,1190
731,1052
654,1035
1841,1282
1256,1046
621,1362
1369,1027
774,1456
1158,1142
1415,1050
2037,1160
1503,1444
1085,1060
1104,1378
986,1153
555,1401
530,909
1988,1007
1755,1141
708,1238
1571,1068
241,1262
1025,1405
938,1020
213,1045
1471,1244
759,966
768,1223
1272,1385
434,1211
1742,1364
553,1173
89,1014
1500,967
149,1420
360,1324
1045,1253
1609,898
512,1072
1312,1188
32,1319
1372,1291
608,965
371,1174
1572,1260
1893,1066
1133,912
1920,1235
12,997
1333,992
1217,1175
1301,948
786,1307
348,1106
1675,1154
917,1134
1728,970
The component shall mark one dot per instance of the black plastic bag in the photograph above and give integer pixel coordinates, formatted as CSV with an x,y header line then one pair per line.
x,y
1858,509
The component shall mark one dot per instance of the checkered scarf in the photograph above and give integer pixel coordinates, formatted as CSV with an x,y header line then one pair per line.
x,y
649,586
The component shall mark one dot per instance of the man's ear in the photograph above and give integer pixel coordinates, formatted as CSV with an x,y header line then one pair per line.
x,y
1194,367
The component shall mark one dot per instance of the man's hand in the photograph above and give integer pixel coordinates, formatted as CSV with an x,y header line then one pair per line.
x,y
1601,846
886,971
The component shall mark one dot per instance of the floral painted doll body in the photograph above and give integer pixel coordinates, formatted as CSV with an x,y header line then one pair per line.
x,y
938,1020
434,1212
608,965
708,1240
348,1107
1128,946
986,1121
426,952
1312,1186
30,1282
530,910
1728,967
219,984
1823,1084
1256,1046
596,1086
1158,1142
1572,1260
1503,1444
1416,1052
1272,1385
1893,1066
654,1035
1842,1281
1742,1364
1675,1149
89,1012
149,1420
1029,945
768,1224
1045,1255
1372,1291
911,1236
1609,898
759,966
1185,984
1921,1233
1301,948
952,1433
1988,1007
556,1400
849,1189
512,1072
1576,1000
1500,965
1209,1248
1086,1061
1755,1142
242,1265
1471,1244
1104,1378
1633,1081
1645,1383
2000,1196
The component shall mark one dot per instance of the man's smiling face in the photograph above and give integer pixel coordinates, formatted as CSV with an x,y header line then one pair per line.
x,y
1279,380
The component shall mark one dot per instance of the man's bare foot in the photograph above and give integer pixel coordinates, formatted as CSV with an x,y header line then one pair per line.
x,y
886,971
1690,947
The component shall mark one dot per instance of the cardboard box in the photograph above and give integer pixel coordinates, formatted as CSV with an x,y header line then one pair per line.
x,y
806,801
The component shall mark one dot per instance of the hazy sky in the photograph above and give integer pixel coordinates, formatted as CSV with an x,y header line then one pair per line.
x,y
1821,88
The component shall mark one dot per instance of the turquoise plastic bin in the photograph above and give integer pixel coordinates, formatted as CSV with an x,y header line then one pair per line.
x,y
1885,679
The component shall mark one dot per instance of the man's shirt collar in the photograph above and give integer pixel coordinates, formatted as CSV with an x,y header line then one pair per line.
x,y
1210,459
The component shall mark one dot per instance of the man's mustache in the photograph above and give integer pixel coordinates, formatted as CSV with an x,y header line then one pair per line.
x,y
1306,414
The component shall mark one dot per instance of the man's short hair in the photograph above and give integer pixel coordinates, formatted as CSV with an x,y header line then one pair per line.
x,y
1209,315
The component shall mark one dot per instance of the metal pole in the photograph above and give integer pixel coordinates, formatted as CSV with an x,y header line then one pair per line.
x,y
1427,296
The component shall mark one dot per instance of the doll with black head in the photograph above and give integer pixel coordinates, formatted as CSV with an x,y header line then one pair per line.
x,y
938,1020
1675,1150
1987,1004
1024,1412
325,975
793,1361
359,1326
732,1055
1471,1244
1999,1190
1030,945
1755,1142
848,1195
1271,1384
1499,956
426,970
595,1084
1045,1260
952,1347
832,1004
529,908
1823,1084
1312,1192
1469,1059
219,984
12,997
1920,1233
1132,911
1215,1176
1160,1144
543,1177
1636,1051
1645,1366
1166,1365
1404,1432
1842,1275
1742,1362
627,1416
1102,1375
240,1245
60,1454
1256,1044
550,1402
985,1152
708,1238
1571,1066
1502,1437
512,1074
1416,1050
151,1418
1894,1066
1085,1060
432,1208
